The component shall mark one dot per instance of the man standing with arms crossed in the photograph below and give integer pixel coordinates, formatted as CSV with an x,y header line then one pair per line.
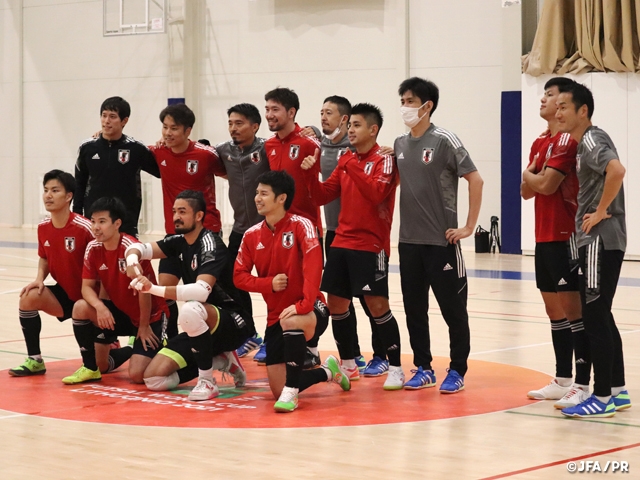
x,y
430,160
601,239
551,179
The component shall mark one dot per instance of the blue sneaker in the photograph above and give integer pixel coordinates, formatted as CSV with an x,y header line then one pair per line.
x,y
421,379
361,363
622,401
591,407
249,346
261,354
376,367
453,383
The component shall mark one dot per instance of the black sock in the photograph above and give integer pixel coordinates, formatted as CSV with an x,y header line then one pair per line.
x,y
85,333
202,347
31,326
563,347
311,377
188,373
172,323
118,356
390,336
354,331
581,352
343,334
295,347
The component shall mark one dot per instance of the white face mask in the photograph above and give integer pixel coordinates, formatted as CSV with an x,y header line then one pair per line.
x,y
335,133
410,115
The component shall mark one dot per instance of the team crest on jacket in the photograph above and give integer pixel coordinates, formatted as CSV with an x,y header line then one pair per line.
x,y
69,244
192,167
255,157
427,155
549,151
287,239
123,156
194,262
368,167
122,265
294,151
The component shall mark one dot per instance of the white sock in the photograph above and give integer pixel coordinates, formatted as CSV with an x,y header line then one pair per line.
x,y
208,374
618,390
349,364
564,382
37,358
604,400
584,388
329,373
313,350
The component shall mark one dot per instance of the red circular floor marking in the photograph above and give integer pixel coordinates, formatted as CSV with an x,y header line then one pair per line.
x,y
490,387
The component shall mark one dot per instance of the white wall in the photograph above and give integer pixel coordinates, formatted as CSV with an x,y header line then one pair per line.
x,y
234,51
617,101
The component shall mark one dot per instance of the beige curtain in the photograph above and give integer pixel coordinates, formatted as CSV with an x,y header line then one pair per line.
x,y
577,36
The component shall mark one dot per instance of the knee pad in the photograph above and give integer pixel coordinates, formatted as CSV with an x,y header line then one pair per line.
x,y
193,319
159,384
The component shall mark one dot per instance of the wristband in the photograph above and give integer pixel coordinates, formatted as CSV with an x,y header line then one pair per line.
x,y
157,290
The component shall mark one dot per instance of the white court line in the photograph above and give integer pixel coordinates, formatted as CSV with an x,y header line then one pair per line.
x,y
11,291
31,259
14,416
532,345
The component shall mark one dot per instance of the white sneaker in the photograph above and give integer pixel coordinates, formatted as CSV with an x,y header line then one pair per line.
x,y
553,391
288,400
395,379
235,369
205,389
575,396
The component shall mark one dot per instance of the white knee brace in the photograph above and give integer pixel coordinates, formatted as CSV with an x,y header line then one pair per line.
x,y
193,319
160,384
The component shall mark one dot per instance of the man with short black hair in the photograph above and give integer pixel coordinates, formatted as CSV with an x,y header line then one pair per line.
x,y
110,165
358,262
551,179
430,160
62,239
123,314
601,238
212,317
285,251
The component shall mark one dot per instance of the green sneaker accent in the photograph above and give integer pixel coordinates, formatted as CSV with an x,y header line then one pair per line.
x,y
288,400
622,401
83,374
337,375
28,368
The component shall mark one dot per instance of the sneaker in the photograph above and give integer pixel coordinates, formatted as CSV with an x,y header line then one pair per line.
x,y
591,407
249,346
453,383
28,368
337,374
205,389
376,367
575,397
235,369
311,360
83,374
395,379
553,391
361,363
288,400
421,379
622,401
261,355
353,373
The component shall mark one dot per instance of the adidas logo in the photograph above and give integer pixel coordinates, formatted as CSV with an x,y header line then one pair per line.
x,y
46,243
580,361
292,364
260,246
562,282
366,288
163,163
101,336
579,271
401,156
447,267
273,152
95,157
392,347
103,267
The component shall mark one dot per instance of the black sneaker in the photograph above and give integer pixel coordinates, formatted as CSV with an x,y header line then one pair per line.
x,y
311,360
